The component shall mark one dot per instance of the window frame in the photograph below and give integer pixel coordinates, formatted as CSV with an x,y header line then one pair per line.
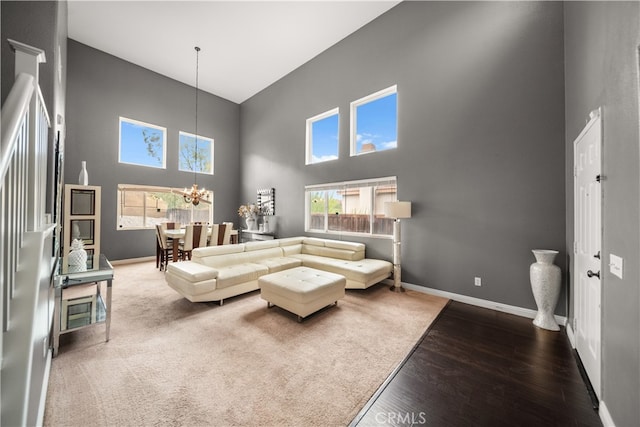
x,y
344,186
134,122
354,118
154,189
309,135
198,138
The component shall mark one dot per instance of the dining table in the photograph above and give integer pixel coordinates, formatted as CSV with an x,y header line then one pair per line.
x,y
178,233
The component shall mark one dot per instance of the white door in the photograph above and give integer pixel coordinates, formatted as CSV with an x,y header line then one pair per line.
x,y
587,256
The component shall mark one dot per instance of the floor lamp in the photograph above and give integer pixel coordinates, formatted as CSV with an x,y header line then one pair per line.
x,y
397,210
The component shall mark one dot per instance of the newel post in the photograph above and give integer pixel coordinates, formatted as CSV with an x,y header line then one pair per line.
x,y
28,60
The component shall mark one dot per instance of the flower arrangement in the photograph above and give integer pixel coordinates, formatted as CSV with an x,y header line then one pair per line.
x,y
248,210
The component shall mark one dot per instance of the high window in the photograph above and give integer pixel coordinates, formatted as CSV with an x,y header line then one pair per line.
x,y
322,137
374,122
140,206
195,157
142,144
352,207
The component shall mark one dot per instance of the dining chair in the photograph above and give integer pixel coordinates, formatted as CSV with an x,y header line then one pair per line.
x,y
213,239
225,234
201,237
165,250
194,237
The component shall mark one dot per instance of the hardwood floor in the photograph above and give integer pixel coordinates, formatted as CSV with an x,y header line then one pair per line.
x,y
479,367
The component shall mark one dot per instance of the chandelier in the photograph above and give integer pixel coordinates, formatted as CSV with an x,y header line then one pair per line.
x,y
194,195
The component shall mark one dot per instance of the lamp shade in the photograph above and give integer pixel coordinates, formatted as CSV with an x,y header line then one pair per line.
x,y
397,209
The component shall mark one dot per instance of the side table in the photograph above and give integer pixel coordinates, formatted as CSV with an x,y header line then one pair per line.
x,y
73,314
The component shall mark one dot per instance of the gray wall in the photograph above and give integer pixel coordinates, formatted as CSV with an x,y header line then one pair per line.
x,y
47,30
601,44
101,88
481,138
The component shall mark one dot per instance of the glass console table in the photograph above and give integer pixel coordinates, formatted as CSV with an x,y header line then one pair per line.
x,y
254,235
89,308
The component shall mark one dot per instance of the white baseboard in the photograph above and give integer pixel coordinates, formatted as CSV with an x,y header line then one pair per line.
x,y
505,308
605,416
570,335
45,387
132,260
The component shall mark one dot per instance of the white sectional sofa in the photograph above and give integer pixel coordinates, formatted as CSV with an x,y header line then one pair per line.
x,y
219,272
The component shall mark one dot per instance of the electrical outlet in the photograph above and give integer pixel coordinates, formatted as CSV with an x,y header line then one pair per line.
x,y
477,281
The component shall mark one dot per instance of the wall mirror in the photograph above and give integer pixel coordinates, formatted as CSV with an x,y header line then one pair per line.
x,y
267,201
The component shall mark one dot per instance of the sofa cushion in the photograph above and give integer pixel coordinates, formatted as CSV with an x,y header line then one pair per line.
x,y
324,251
288,241
256,256
216,250
239,273
359,271
264,244
291,249
280,263
349,246
313,241
192,271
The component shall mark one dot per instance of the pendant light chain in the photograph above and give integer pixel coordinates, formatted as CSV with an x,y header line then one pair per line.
x,y
195,195
195,179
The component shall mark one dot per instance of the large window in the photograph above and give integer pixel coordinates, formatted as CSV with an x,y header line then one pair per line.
x,y
374,122
145,206
322,137
142,144
355,207
196,157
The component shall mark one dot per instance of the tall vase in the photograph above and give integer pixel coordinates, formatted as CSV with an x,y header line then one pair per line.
x,y
545,285
251,222
83,178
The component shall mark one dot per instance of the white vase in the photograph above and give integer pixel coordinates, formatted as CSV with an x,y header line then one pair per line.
x,y
545,285
251,223
269,222
75,234
83,178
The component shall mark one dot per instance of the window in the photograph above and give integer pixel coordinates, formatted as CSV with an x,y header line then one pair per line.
x,y
142,144
322,137
200,161
374,122
355,207
142,206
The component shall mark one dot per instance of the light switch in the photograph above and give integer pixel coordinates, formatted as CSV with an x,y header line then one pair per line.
x,y
615,265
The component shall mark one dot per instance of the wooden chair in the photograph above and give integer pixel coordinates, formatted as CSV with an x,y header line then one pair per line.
x,y
194,237
213,239
224,233
165,250
226,238
165,226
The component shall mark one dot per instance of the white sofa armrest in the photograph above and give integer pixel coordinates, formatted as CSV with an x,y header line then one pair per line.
x,y
192,271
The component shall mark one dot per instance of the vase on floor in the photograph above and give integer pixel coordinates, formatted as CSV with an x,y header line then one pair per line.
x,y
545,285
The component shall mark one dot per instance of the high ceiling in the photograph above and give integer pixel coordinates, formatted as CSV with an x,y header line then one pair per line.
x,y
246,45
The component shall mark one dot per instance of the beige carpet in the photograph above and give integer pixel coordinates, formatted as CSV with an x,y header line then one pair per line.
x,y
173,362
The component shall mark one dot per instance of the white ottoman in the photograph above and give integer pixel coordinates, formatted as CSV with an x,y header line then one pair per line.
x,y
302,290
